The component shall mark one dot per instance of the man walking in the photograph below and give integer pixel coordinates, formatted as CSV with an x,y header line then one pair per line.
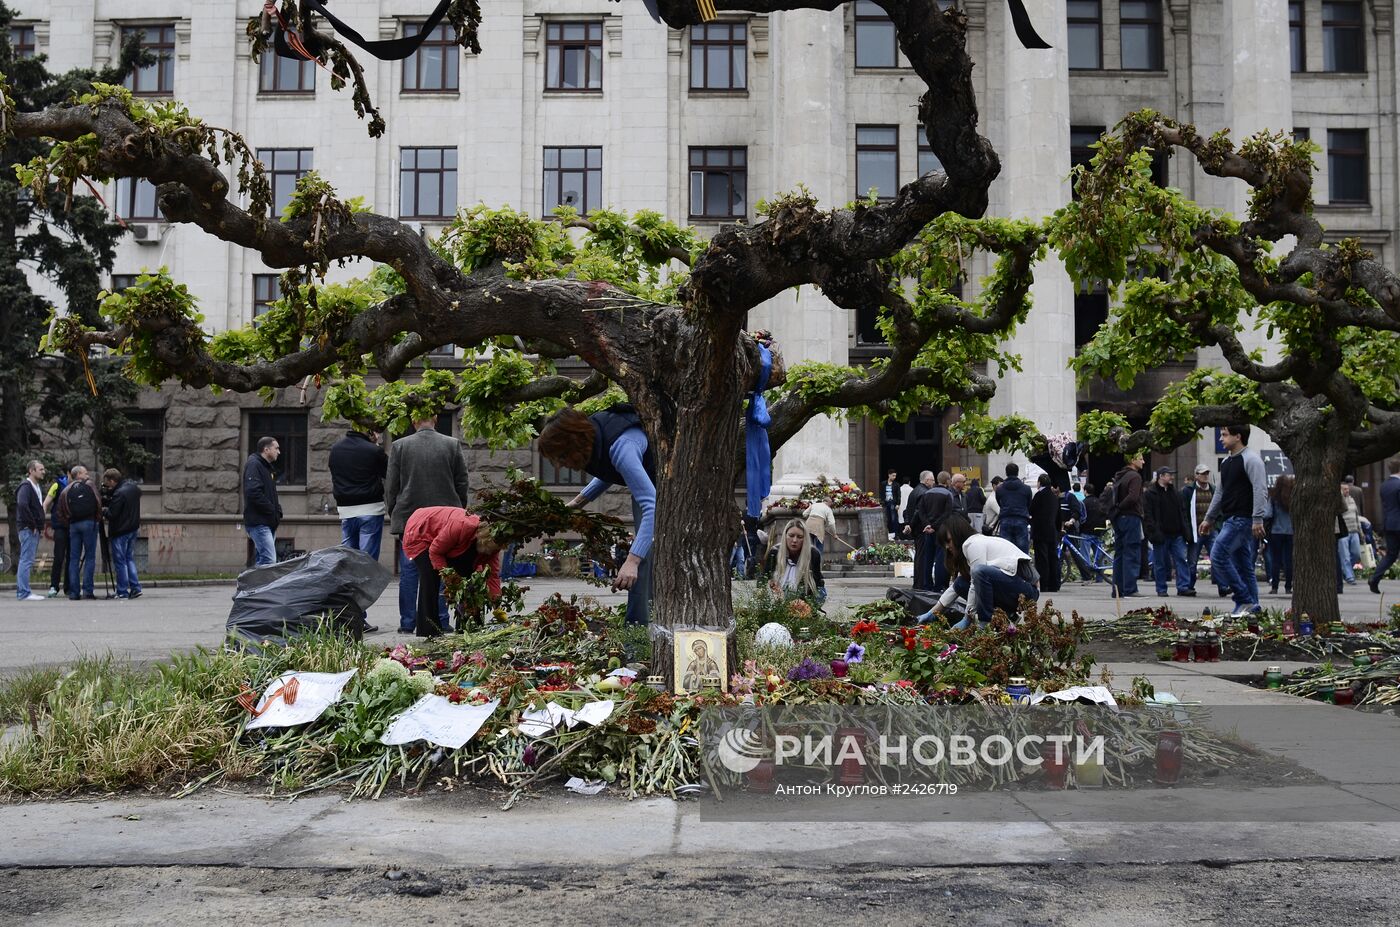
x,y
1240,507
358,466
1126,515
1390,523
262,513
425,469
1162,510
1014,505
79,504
1195,502
29,515
891,502
123,518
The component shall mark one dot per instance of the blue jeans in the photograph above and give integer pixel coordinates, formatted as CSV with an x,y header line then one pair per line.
x,y
264,545
997,590
1016,531
82,557
1232,557
1283,560
1170,554
892,516
1127,553
124,564
408,597
1348,555
363,533
28,548
639,596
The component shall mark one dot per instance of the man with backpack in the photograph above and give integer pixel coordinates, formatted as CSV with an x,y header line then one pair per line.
x,y
78,505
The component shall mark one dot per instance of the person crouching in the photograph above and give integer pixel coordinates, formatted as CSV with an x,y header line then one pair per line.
x,y
442,536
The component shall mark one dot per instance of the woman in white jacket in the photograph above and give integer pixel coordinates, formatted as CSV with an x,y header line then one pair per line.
x,y
991,573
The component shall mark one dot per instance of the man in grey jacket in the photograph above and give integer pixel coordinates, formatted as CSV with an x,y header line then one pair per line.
x,y
425,469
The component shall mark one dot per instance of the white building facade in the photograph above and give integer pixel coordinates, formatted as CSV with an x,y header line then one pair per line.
x,y
590,102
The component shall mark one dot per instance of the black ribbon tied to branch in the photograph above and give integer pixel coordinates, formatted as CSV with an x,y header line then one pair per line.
x,y
384,50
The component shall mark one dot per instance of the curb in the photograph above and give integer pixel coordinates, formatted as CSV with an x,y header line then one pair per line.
x,y
154,583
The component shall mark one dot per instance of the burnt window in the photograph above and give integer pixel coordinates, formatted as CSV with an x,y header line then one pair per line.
x,y
285,166
158,77
1085,34
146,431
573,56
433,67
573,177
1343,41
267,289
428,183
877,161
289,428
285,75
1348,173
876,45
719,56
719,181
1140,30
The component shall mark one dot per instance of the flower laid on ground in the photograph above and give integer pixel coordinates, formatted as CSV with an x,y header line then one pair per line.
x,y
807,670
855,653
948,651
459,660
387,669
800,608
865,628
421,682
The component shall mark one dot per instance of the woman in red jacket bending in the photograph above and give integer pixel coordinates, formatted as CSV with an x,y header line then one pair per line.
x,y
442,536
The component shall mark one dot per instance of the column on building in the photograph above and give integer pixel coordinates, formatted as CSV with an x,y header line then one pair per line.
x,y
1035,182
810,146
1258,98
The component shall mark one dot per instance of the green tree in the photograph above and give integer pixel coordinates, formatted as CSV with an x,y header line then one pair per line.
x,y
656,312
1186,279
68,239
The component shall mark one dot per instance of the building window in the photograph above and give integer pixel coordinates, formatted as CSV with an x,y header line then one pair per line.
x,y
158,77
1140,29
1343,42
877,161
1085,35
286,75
146,431
267,289
122,282
928,161
876,45
719,56
433,67
1297,45
1080,152
428,183
285,166
289,428
444,350
1090,313
573,56
1159,166
1347,172
551,474
22,42
136,199
719,183
573,177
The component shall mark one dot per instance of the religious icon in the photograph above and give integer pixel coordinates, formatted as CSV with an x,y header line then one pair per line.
x,y
700,660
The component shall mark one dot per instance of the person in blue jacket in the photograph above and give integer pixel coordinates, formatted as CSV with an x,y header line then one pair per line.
x,y
611,447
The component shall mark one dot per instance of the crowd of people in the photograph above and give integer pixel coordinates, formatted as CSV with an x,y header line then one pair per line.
x,y
81,518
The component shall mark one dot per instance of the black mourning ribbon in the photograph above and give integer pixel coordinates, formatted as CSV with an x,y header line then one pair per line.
x,y
1025,30
384,50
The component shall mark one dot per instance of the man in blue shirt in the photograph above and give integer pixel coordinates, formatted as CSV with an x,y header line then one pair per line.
x,y
612,448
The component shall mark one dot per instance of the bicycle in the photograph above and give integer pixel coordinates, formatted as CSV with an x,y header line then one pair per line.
x,y
1086,553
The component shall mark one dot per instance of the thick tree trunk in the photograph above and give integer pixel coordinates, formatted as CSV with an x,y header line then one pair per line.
x,y
1318,459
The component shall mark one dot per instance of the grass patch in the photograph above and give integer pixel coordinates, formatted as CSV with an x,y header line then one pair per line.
x,y
25,692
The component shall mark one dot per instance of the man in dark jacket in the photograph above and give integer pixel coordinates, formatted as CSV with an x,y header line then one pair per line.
x,y
1014,500
80,506
426,469
29,519
1045,533
123,519
934,506
1195,502
912,529
1161,507
358,466
262,513
1126,516
1390,523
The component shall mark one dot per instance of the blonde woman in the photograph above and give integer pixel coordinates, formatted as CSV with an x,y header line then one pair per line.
x,y
793,564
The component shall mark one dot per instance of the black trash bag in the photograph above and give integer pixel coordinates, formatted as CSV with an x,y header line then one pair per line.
x,y
287,599
915,601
